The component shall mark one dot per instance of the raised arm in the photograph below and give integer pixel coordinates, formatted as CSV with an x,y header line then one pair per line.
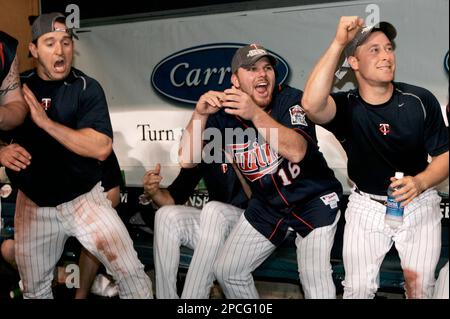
x,y
13,108
191,145
316,101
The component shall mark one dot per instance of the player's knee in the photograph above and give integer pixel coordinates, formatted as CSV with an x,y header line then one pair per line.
x,y
166,216
213,209
7,250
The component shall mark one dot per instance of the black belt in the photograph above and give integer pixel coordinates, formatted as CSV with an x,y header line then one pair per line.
x,y
381,201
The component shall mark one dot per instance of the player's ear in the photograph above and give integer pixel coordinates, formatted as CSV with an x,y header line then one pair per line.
x,y
33,49
235,80
354,62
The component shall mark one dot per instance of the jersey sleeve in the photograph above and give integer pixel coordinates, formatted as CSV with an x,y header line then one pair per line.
x,y
337,125
111,175
183,186
293,116
436,133
94,109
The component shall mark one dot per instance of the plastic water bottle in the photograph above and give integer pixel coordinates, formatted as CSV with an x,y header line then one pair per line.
x,y
394,212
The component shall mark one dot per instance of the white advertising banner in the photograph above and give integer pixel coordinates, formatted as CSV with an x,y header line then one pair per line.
x,y
153,71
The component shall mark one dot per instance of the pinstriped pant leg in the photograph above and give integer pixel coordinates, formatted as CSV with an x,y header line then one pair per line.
x,y
366,241
175,225
100,230
39,243
418,242
216,221
313,257
244,250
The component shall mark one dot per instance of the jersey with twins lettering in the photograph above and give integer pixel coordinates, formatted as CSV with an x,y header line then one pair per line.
x,y
274,180
8,46
395,136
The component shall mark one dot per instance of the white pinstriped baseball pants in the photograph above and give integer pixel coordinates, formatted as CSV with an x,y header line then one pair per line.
x,y
41,232
202,230
216,222
367,239
246,249
441,287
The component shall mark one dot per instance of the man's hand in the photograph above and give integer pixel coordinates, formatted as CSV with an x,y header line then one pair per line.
x,y
241,104
151,181
407,187
14,157
210,102
38,114
347,29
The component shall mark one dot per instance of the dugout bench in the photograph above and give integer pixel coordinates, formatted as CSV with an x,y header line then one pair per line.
x,y
281,266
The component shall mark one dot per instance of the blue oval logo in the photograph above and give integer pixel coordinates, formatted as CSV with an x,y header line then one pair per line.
x,y
446,62
186,75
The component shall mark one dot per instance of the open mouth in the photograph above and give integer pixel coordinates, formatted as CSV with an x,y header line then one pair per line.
x,y
385,67
262,88
60,65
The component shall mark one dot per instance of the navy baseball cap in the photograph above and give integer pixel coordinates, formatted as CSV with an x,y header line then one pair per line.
x,y
45,23
360,37
248,55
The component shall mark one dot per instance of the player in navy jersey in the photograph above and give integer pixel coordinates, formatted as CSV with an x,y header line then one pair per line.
x,y
275,148
384,127
66,135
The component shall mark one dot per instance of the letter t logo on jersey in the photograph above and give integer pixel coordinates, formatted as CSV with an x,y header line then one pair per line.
x,y
385,128
46,103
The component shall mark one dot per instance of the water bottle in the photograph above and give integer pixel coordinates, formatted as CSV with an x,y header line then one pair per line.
x,y
394,212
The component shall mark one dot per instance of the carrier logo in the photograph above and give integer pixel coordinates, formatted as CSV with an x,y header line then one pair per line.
x,y
184,76
446,62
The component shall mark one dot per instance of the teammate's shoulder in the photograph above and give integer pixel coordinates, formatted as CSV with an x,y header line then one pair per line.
x,y
85,80
410,89
287,90
27,75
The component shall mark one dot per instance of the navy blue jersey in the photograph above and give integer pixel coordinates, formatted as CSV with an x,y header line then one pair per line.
x,y
221,181
8,47
111,174
283,186
56,175
395,136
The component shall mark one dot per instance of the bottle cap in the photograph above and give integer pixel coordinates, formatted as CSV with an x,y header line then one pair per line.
x,y
398,175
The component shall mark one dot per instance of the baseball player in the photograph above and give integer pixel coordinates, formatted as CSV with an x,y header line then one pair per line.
x,y
292,186
56,168
13,108
384,127
203,230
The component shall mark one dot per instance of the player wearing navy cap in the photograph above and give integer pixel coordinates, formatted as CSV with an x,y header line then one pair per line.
x,y
292,186
384,127
59,180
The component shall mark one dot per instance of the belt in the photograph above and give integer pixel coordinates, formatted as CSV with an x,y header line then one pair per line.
x,y
372,197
